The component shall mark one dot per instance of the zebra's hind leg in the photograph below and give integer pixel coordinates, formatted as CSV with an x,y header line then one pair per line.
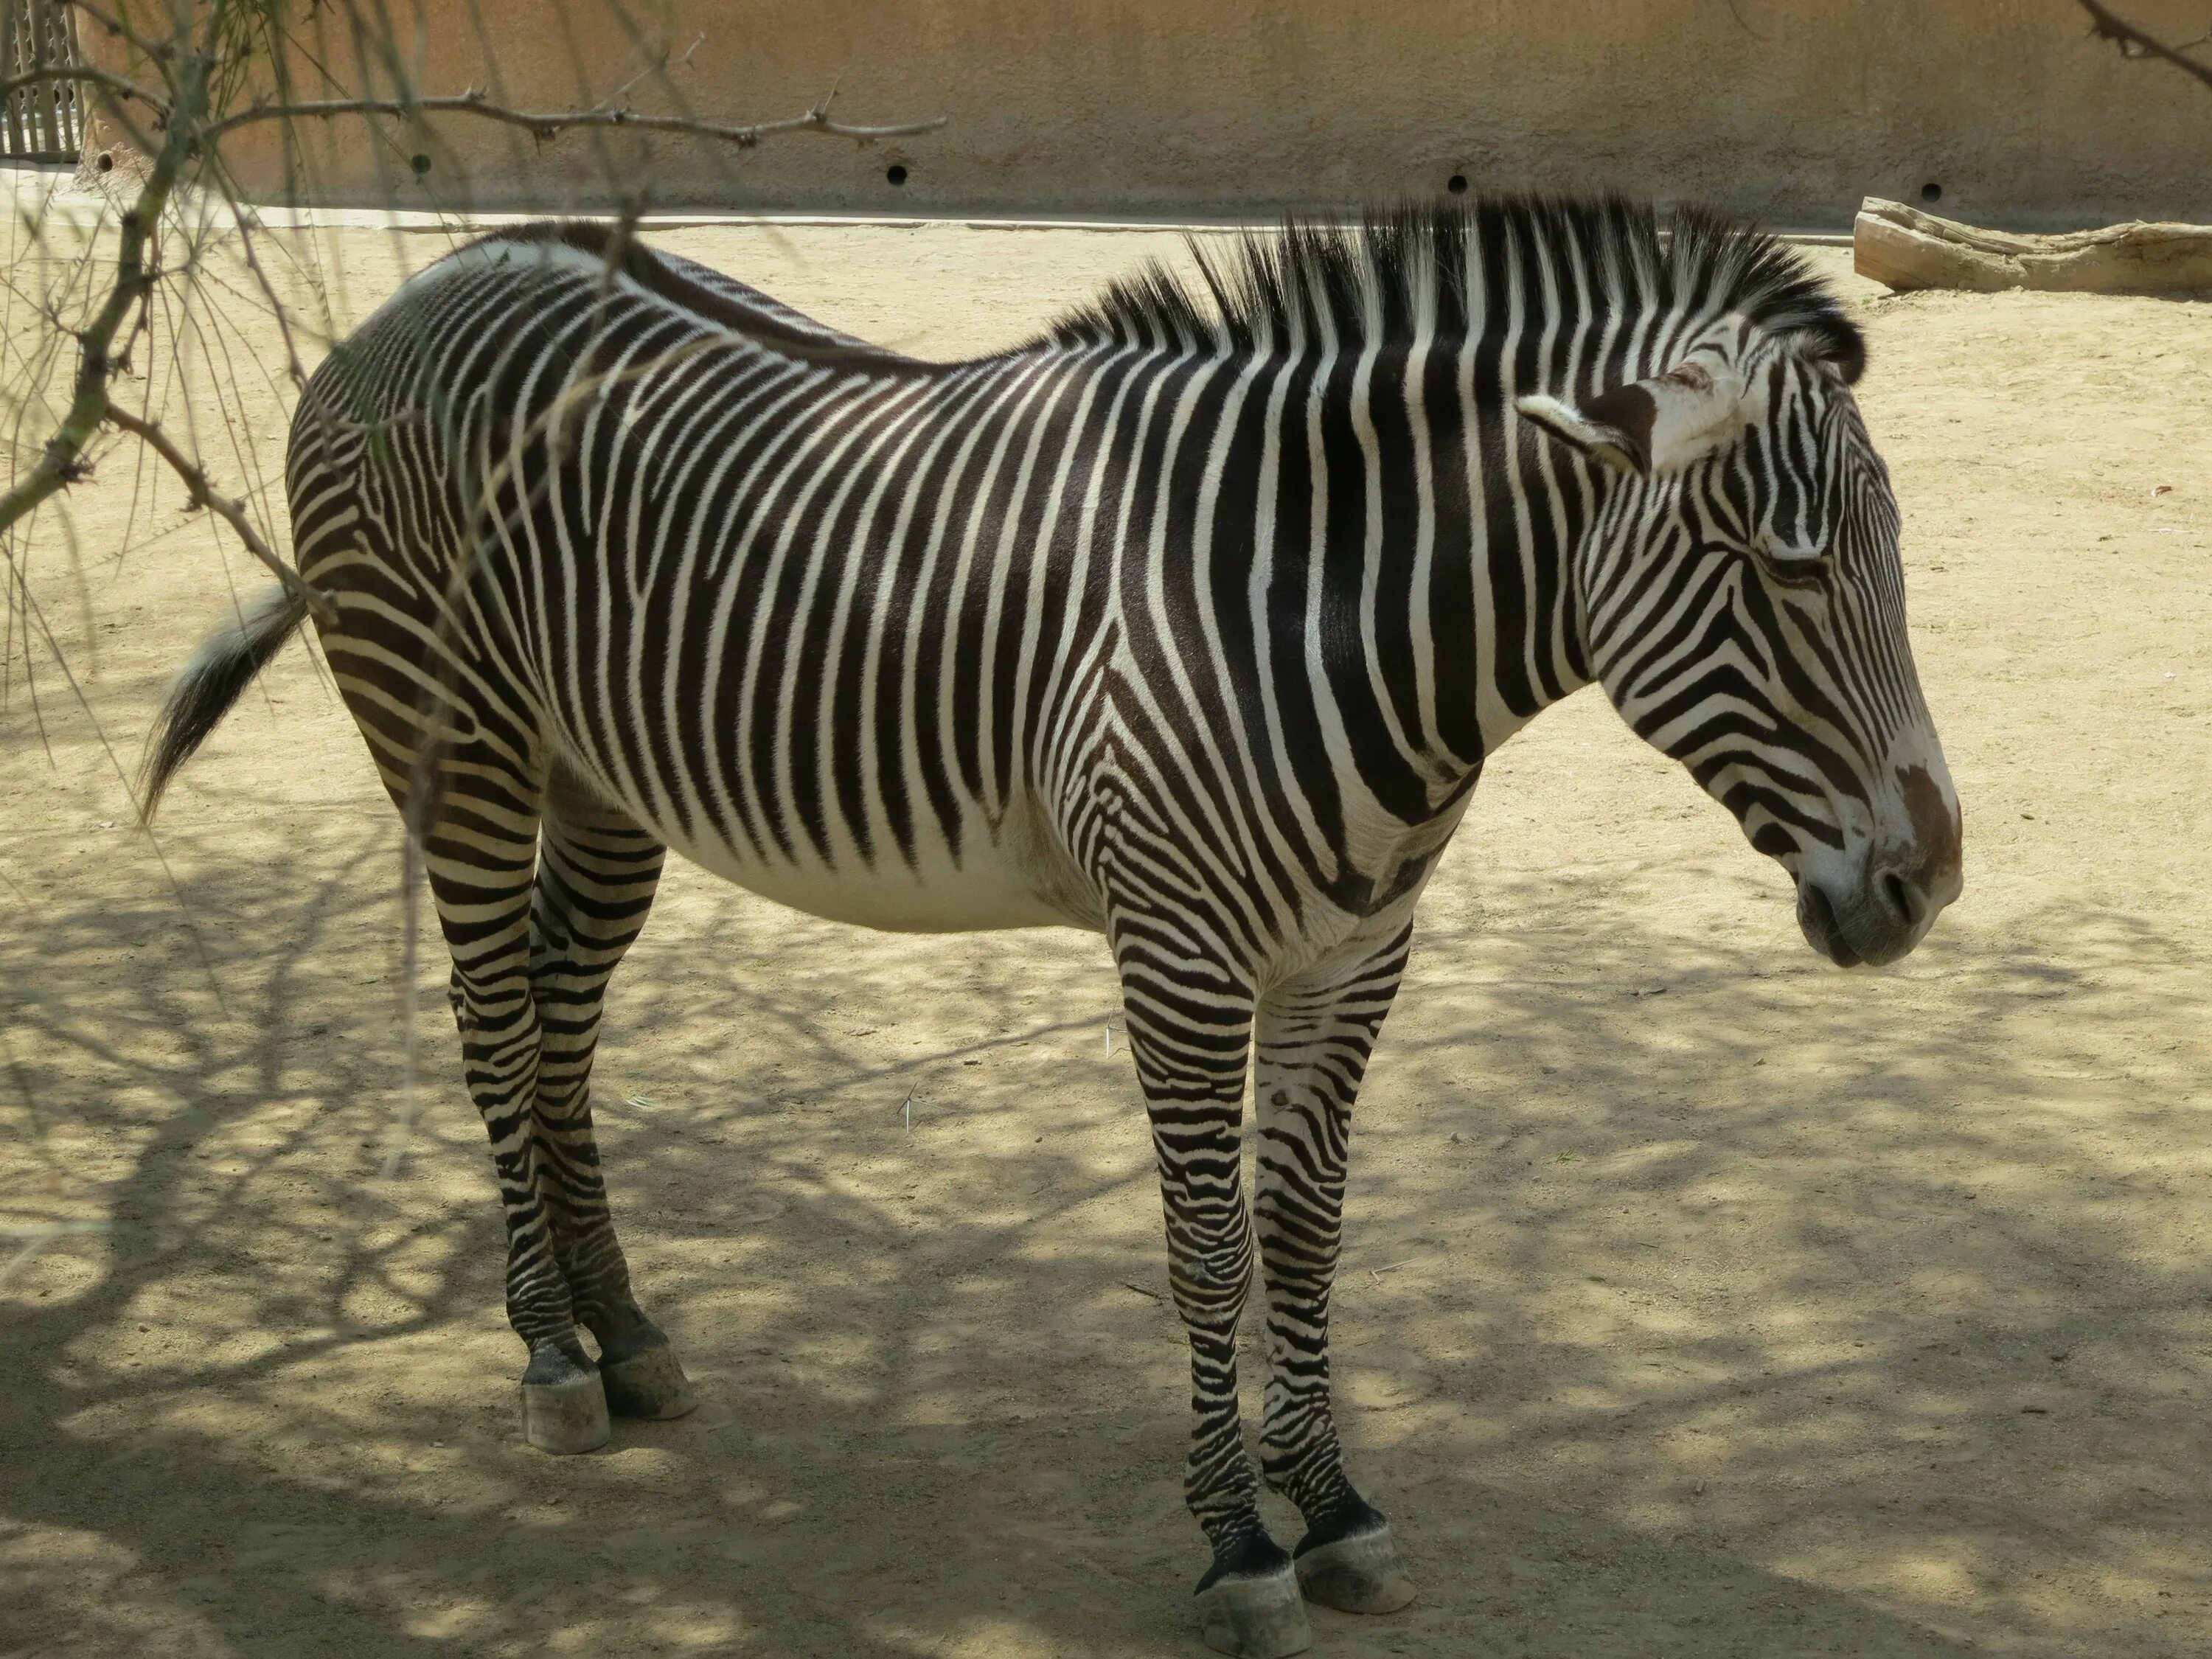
x,y
597,870
1313,1036
481,857
1190,1046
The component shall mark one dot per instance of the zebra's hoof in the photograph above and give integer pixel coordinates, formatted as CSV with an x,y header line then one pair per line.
x,y
650,1384
1358,1574
1256,1618
567,1416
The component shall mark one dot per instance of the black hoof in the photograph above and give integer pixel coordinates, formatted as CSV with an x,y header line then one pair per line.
x,y
651,1385
1249,1605
1355,1574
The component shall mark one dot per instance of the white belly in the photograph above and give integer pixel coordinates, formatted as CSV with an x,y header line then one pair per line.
x,y
1017,878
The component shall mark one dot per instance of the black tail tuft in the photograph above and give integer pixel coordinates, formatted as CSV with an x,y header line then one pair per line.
x,y
210,683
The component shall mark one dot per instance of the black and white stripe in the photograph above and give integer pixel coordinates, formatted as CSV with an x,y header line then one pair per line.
x,y
1192,621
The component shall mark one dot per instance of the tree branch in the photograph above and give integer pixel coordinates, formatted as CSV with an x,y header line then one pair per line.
x,y
114,85
660,65
188,133
231,511
60,463
2134,43
552,124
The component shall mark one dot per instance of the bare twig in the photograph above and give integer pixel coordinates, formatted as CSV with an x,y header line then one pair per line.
x,y
242,220
188,134
155,47
61,462
114,85
2134,43
552,124
231,511
660,65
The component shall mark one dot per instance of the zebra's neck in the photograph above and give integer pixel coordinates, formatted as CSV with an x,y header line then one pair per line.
x,y
1340,472
1411,542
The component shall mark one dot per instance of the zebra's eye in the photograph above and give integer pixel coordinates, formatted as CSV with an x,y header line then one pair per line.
x,y
1788,553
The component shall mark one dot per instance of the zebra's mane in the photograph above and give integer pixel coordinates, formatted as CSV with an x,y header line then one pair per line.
x,y
1384,271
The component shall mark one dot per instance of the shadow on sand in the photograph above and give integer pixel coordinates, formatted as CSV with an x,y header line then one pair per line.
x,y
1687,1296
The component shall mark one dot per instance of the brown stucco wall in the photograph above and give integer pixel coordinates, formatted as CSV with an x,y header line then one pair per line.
x,y
1788,109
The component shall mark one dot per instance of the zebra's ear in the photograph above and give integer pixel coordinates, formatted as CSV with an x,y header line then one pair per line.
x,y
1658,425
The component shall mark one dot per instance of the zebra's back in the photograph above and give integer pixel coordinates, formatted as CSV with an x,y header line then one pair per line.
x,y
777,593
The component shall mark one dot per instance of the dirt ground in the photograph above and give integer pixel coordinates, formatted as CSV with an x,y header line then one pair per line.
x,y
1701,1299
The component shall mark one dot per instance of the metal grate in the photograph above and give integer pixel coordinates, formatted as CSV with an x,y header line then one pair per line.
x,y
42,122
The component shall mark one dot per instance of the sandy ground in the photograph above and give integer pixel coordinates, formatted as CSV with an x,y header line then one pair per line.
x,y
1700,1300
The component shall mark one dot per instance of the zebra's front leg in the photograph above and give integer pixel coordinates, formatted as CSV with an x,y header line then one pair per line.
x,y
1313,1037
597,871
1193,1076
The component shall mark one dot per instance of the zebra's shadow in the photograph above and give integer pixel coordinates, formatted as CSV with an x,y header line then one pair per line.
x,y
944,1404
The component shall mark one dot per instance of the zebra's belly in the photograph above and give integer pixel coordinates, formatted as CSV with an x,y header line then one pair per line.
x,y
1016,878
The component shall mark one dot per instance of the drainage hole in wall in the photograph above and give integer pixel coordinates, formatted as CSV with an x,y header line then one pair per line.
x,y
895,174
1457,183
1931,191
421,164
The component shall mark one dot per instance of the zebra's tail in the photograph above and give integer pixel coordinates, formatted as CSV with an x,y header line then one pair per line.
x,y
207,685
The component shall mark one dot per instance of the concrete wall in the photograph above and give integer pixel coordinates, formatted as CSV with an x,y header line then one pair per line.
x,y
1790,110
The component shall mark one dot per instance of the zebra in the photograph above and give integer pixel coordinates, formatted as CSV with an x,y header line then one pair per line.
x,y
1190,621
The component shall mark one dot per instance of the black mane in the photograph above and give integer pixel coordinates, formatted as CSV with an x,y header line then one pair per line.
x,y
1391,264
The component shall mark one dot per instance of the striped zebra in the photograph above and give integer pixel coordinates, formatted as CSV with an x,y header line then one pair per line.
x,y
1191,622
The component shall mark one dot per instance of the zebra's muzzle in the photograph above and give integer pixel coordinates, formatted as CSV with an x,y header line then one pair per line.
x,y
1868,906
1884,913
1816,919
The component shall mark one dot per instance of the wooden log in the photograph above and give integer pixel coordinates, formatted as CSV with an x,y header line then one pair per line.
x,y
1906,249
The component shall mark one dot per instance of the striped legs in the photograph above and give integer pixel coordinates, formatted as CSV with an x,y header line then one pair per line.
x,y
1194,1084
597,871
481,857
1313,1036
535,933
480,851
1191,1030
1190,1034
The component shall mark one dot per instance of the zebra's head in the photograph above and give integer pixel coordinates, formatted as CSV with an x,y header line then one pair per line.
x,y
1742,602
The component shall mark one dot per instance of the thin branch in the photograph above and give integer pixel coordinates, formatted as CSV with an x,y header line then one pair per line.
x,y
230,511
114,85
551,124
660,65
2134,43
61,462
115,25
240,218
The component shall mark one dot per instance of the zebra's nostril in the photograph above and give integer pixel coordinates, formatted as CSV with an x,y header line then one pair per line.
x,y
1904,898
